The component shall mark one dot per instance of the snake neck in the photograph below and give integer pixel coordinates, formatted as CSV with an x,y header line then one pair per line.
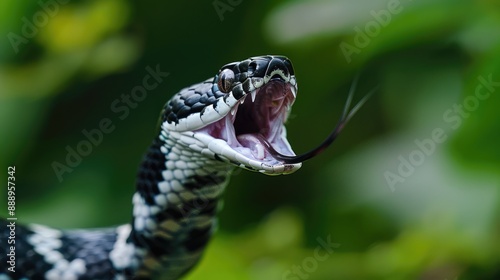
x,y
175,204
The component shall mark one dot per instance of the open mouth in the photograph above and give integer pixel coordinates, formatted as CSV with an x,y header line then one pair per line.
x,y
258,118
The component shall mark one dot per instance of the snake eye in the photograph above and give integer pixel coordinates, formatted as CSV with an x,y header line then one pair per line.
x,y
226,78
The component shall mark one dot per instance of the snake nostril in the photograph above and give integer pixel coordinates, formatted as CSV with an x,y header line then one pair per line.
x,y
277,77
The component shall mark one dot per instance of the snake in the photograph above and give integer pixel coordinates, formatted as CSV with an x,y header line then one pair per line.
x,y
235,119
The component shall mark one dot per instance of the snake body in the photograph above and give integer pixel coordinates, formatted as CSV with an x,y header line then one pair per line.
x,y
233,120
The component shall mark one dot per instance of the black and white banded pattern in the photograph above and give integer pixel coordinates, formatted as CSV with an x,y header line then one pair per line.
x,y
206,131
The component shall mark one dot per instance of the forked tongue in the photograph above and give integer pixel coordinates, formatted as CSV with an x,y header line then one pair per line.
x,y
346,116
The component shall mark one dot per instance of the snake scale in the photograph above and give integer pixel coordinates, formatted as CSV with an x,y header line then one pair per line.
x,y
233,120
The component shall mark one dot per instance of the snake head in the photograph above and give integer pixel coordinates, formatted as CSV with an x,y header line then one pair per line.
x,y
239,115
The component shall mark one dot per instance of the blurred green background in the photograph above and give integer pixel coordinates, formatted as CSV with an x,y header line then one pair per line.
x,y
410,190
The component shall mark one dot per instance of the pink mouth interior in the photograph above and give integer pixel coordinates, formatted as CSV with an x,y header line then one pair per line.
x,y
262,117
